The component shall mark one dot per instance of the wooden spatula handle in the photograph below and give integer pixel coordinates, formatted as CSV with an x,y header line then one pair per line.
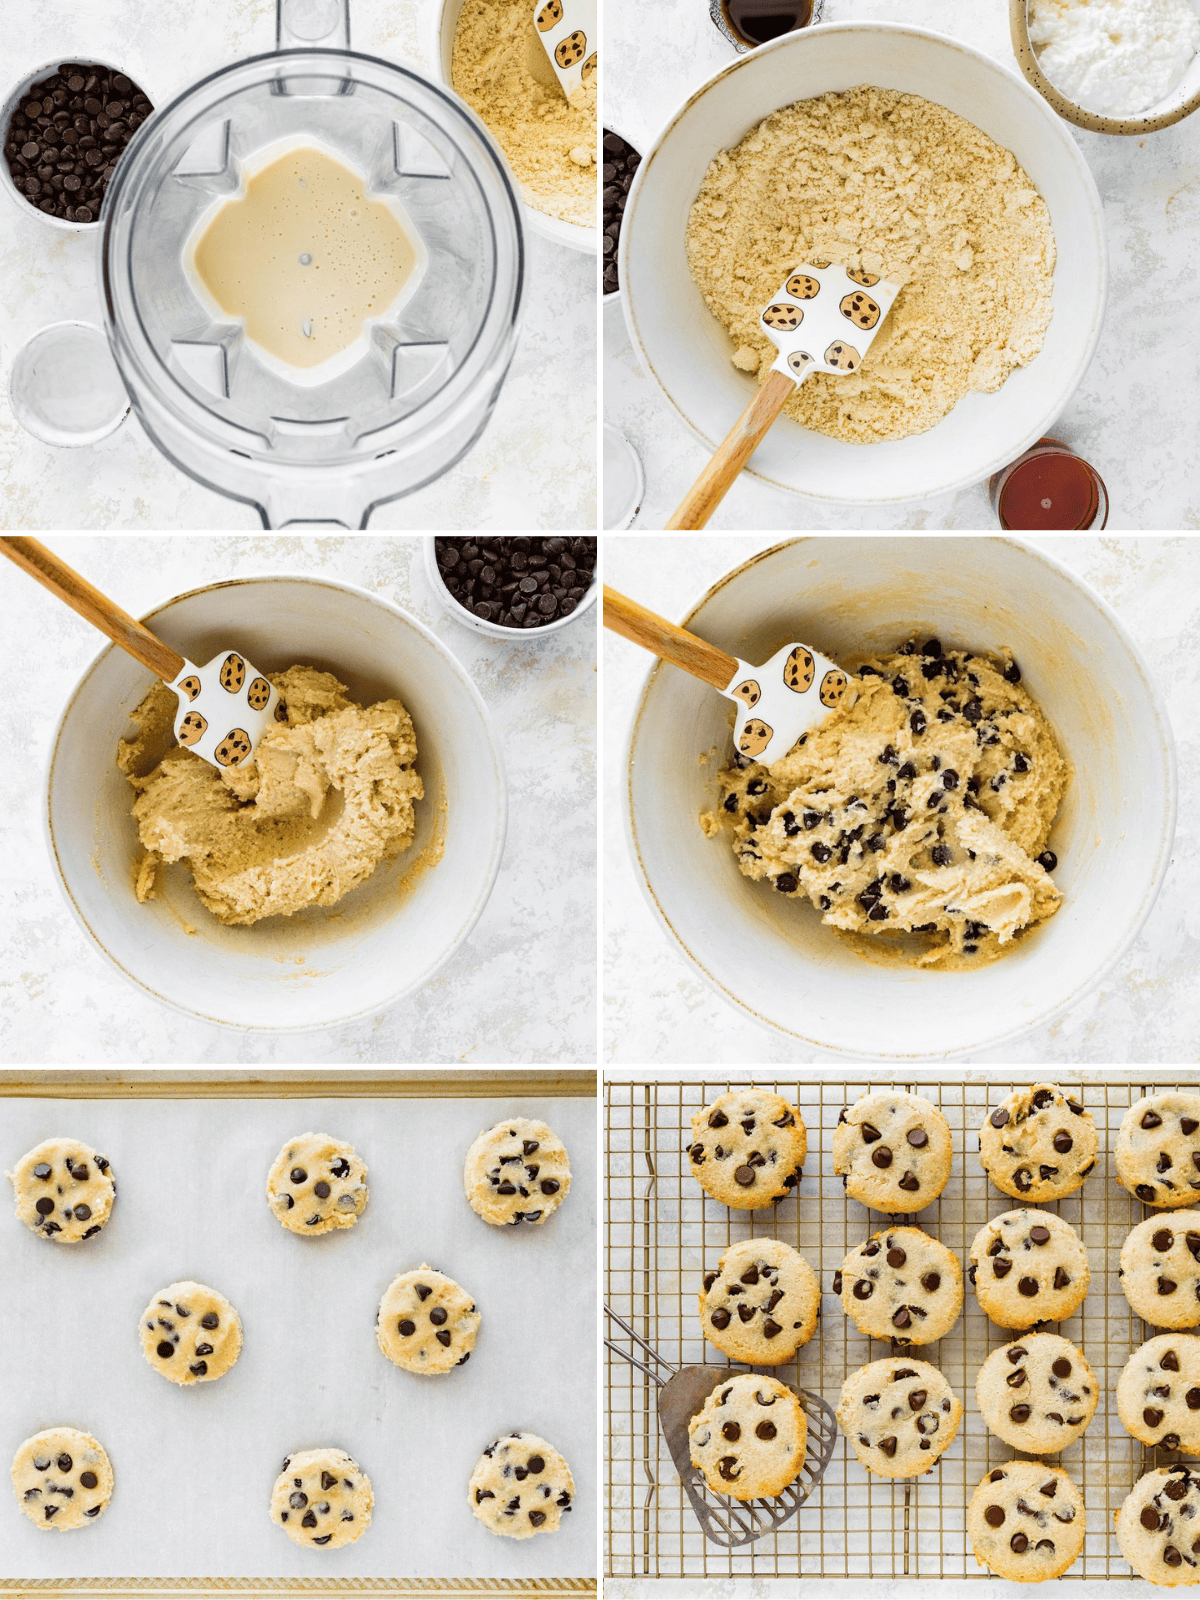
x,y
663,638
732,454
34,558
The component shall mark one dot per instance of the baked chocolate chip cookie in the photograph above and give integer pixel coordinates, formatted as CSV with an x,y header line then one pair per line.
x,y
1038,1394
190,1333
64,1190
1158,1150
899,1416
1039,1144
901,1285
517,1172
317,1184
520,1486
1158,1393
762,1302
426,1323
1158,1526
1160,1270
748,1148
749,1437
892,1151
323,1498
1026,1521
1028,1267
62,1478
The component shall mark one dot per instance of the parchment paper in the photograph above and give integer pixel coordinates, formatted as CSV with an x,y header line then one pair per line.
x,y
194,1467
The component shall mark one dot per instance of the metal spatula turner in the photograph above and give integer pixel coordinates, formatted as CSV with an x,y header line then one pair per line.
x,y
824,319
727,1522
225,707
567,30
789,695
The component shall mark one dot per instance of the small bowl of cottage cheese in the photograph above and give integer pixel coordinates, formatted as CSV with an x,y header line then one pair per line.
x,y
1112,66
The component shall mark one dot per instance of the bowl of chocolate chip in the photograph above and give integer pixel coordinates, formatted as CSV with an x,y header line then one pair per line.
x,y
65,128
621,162
521,584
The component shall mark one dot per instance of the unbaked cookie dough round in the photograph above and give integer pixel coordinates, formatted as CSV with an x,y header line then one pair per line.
x,y
1026,1521
322,1497
190,1333
62,1478
762,1302
749,1437
893,1151
1158,1526
317,1183
1160,1270
1158,1150
1029,1267
899,1416
748,1148
64,1190
426,1322
520,1486
517,1171
1039,1144
1037,1393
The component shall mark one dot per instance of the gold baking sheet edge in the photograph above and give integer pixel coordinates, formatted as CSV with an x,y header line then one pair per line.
x,y
315,1588
470,1083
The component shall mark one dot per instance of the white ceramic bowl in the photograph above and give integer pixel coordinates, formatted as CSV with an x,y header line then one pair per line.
x,y
687,351
773,958
496,630
568,233
328,964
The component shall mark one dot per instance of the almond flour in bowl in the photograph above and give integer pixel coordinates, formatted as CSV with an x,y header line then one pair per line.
x,y
902,187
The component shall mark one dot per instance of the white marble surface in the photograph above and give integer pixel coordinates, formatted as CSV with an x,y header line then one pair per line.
x,y
519,475
521,989
656,1008
1151,193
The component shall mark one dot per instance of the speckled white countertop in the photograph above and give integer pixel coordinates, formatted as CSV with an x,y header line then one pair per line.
x,y
656,1008
654,58
521,989
519,475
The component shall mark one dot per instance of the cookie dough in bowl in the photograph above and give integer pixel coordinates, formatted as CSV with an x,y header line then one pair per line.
x,y
323,964
772,955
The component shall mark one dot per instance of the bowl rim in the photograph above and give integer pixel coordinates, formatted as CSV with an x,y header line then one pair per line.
x,y
482,895
496,630
1073,154
1006,1035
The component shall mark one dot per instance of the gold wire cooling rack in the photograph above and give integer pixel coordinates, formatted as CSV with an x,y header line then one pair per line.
x,y
663,1233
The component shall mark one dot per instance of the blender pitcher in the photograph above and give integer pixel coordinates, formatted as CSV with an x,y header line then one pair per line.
x,y
429,373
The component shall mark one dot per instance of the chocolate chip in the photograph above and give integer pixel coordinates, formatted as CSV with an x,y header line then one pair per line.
x,y
1149,1518
1063,1141
1151,1119
210,1319
864,1289
901,1318
298,1175
720,1318
1169,1362
437,1316
45,1206
64,1462
42,1170
896,1258
89,1480
1040,1234
321,1190
1020,1413
837,1281
1144,1191
917,1137
744,1176
882,1157
910,1183
165,1349
1192,1398
1028,1287
765,1430
888,1446
1167,1286
994,1516
1061,1368
1152,1417
1001,1267
870,1134
999,1118
1163,1239
931,1282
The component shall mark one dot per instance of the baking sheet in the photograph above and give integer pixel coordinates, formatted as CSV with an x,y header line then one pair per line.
x,y
194,1467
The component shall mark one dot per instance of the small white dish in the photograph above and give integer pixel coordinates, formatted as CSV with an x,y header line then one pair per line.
x,y
496,630
326,965
64,387
624,481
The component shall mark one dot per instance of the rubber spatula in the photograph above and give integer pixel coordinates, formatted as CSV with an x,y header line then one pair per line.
x,y
789,695
681,1395
225,708
567,30
824,319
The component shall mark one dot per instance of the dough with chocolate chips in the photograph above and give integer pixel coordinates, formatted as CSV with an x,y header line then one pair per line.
x,y
1160,1270
517,1172
1026,1521
892,1150
1029,1267
520,1486
426,1322
64,1190
62,1479
901,1285
317,1184
749,1437
1158,1150
923,808
190,1333
1039,1144
323,1498
748,1148
1037,1393
762,1302
1158,1526
1158,1393
899,1416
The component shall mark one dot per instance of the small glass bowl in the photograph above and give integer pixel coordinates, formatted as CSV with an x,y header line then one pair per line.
x,y
459,612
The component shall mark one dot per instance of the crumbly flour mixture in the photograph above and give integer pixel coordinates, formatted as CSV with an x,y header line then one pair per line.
x,y
898,186
501,70
923,807
1117,57
327,797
